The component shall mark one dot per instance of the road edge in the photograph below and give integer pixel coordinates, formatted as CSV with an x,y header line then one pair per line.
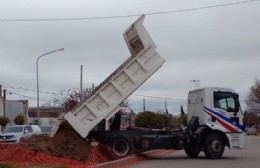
x,y
120,163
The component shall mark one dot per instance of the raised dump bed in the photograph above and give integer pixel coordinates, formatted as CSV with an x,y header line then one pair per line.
x,y
105,100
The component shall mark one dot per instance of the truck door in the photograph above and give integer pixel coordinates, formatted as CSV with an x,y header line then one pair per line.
x,y
227,111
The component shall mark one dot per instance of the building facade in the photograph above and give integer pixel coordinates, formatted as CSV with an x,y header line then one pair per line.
x,y
44,116
12,108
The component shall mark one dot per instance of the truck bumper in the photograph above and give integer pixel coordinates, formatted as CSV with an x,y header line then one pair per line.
x,y
236,140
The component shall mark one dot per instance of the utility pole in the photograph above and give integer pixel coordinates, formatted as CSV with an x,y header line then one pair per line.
x,y
4,100
144,104
81,77
195,83
1,95
166,110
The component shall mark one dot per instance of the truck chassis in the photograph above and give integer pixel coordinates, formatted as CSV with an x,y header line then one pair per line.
x,y
193,140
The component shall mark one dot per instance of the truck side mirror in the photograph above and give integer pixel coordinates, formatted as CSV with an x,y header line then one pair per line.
x,y
237,104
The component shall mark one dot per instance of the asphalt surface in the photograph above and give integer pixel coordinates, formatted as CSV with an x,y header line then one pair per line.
x,y
249,157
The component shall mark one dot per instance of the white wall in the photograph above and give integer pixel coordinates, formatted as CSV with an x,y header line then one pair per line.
x,y
13,108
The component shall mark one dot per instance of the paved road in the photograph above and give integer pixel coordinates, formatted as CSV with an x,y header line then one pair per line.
x,y
246,158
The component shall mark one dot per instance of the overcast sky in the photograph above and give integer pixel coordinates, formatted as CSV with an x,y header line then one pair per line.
x,y
217,46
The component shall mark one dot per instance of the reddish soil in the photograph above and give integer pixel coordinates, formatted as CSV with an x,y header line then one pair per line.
x,y
67,143
67,147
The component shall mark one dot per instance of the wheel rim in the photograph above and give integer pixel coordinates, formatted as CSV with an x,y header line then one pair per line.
x,y
216,146
120,147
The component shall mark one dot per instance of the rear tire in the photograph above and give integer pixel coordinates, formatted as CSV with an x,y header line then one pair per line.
x,y
214,146
122,146
192,153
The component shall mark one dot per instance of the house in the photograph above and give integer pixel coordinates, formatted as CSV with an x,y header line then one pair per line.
x,y
45,116
12,108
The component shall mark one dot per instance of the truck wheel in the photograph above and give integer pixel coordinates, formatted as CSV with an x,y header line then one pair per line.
x,y
190,152
122,146
214,146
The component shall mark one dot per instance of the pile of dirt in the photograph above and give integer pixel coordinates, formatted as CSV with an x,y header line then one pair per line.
x,y
67,143
16,156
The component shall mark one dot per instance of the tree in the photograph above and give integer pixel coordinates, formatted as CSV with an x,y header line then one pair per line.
x,y
4,121
251,119
182,120
150,119
19,119
253,98
70,98
174,122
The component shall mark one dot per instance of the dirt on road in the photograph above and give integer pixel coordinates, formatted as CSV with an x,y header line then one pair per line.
x,y
67,143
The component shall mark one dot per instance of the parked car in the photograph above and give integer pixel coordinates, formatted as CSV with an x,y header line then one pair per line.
x,y
251,130
46,130
18,133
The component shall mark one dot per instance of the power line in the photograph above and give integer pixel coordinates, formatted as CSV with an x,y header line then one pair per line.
x,y
25,96
167,98
156,97
26,89
16,91
204,7
127,16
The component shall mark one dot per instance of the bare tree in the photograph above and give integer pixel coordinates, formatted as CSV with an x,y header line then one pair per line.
x,y
251,119
253,98
70,98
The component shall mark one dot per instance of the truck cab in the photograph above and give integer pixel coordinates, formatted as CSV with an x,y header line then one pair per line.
x,y
217,113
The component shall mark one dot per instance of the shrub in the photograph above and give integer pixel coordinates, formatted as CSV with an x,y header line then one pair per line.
x,y
151,120
19,119
4,121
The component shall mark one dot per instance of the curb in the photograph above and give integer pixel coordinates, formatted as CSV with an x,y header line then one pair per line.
x,y
120,163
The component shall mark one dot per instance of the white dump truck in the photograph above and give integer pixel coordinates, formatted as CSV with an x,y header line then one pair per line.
x,y
215,119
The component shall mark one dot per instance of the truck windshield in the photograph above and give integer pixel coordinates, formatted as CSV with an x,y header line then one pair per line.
x,y
226,100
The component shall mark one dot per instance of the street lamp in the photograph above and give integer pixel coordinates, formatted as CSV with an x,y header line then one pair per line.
x,y
195,83
37,73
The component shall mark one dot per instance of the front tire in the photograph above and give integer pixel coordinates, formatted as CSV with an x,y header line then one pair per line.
x,y
214,146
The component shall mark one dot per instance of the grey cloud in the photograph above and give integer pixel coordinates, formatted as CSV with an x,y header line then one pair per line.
x,y
218,46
